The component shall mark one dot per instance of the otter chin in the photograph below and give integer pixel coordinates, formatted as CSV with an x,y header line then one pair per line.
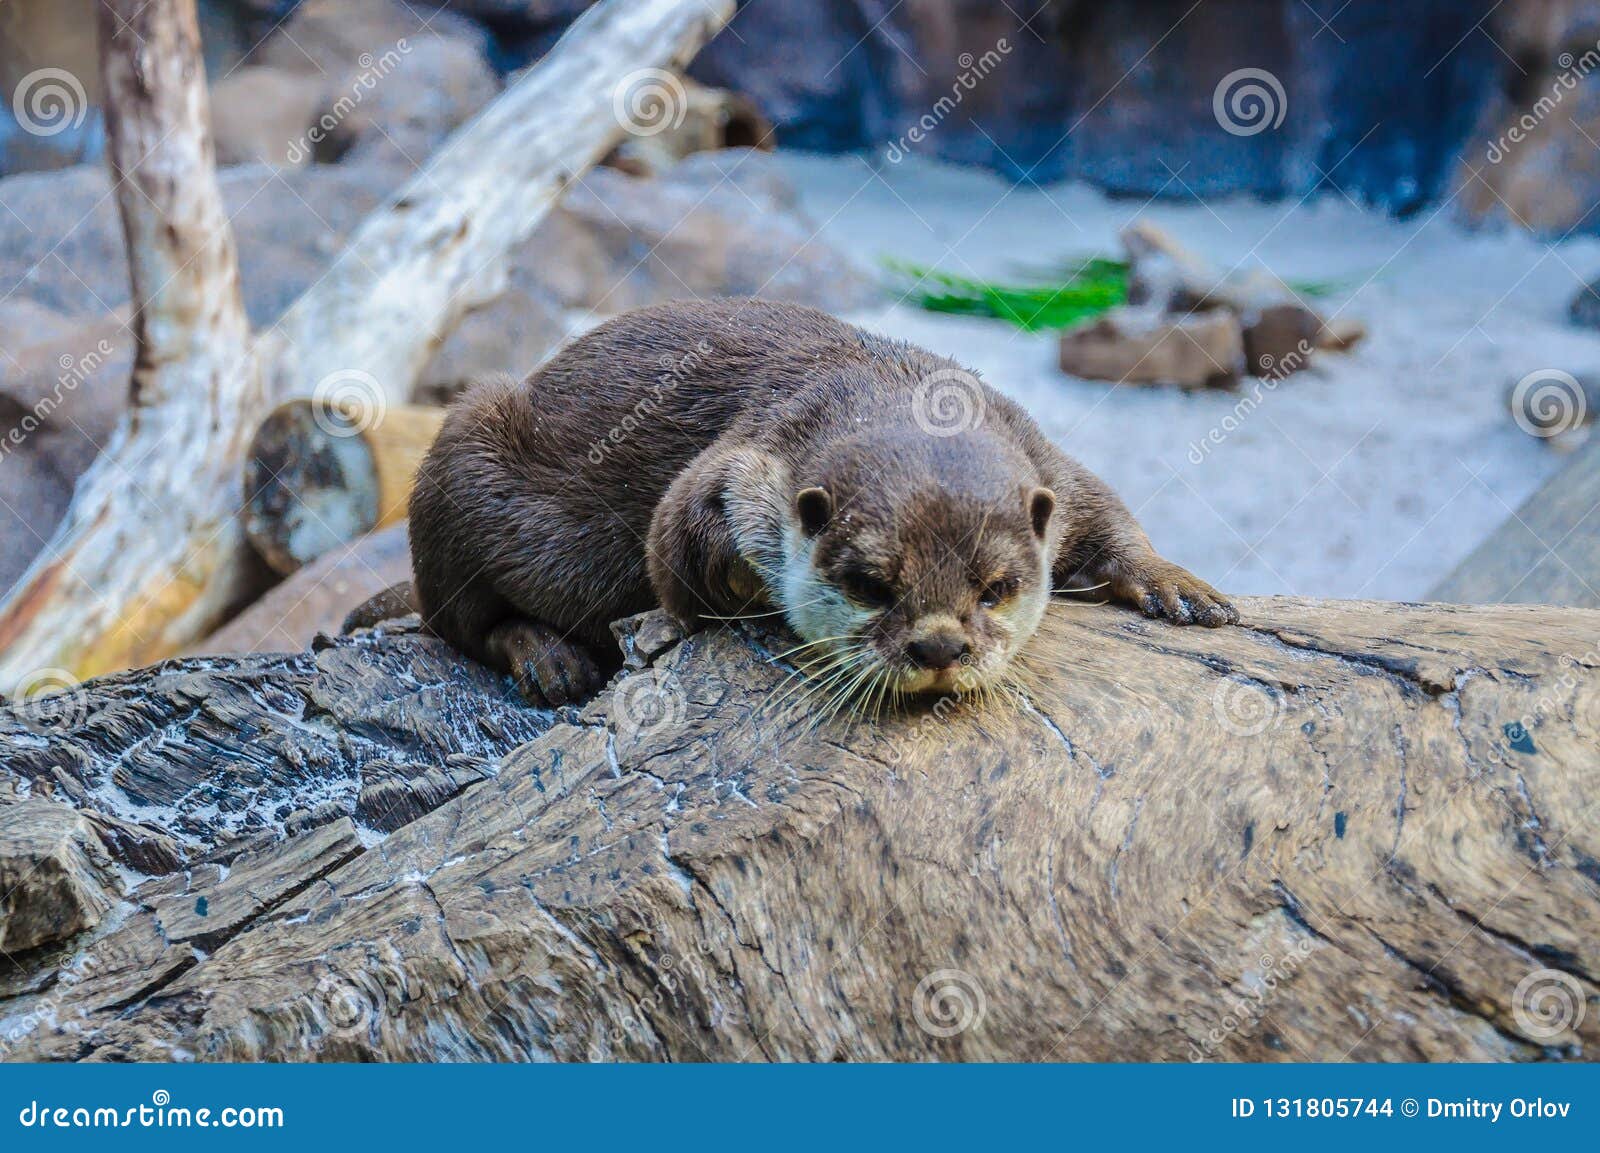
x,y
719,458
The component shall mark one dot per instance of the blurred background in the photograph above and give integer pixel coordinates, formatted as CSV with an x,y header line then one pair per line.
x,y
1306,280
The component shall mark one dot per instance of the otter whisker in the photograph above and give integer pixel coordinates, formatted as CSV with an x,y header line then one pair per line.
x,y
835,673
807,686
813,644
1085,589
845,696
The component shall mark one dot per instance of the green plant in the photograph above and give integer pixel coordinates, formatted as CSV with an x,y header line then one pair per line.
x,y
1048,298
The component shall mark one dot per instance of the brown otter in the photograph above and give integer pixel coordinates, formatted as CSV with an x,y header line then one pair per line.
x,y
907,520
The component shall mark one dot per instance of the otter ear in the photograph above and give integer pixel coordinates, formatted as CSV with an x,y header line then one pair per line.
x,y
1041,505
815,507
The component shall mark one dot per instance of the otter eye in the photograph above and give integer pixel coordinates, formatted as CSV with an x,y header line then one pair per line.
x,y
997,591
864,588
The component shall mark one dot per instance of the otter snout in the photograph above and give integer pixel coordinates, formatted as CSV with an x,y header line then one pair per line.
x,y
941,650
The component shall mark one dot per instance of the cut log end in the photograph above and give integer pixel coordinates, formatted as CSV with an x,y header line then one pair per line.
x,y
320,475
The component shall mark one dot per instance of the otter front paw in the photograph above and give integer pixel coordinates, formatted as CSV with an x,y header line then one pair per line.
x,y
1161,589
550,670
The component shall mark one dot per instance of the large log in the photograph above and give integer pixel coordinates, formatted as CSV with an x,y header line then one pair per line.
x,y
150,556
1340,830
1547,551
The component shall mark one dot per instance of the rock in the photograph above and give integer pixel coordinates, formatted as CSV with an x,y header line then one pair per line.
x,y
63,386
1120,93
617,242
1532,164
333,37
1279,339
262,115
393,81
511,334
1134,346
1585,307
55,875
315,599
437,84
1341,334
289,224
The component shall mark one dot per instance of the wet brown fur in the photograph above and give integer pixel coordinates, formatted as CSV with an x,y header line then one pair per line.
x,y
657,459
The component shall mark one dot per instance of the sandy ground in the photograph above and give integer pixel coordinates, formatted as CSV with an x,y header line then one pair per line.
x,y
1369,476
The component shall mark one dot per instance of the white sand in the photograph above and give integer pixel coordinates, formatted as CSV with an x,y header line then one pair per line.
x,y
1368,476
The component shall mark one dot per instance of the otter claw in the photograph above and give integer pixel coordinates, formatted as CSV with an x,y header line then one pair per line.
x,y
1170,593
550,670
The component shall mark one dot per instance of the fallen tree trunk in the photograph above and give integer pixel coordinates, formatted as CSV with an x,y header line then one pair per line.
x,y
150,556
1546,553
1341,830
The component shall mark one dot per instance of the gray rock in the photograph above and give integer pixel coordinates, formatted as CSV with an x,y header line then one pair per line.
x,y
617,242
510,335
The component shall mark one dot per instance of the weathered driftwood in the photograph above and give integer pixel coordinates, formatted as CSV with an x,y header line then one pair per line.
x,y
1547,552
150,555
1339,830
317,477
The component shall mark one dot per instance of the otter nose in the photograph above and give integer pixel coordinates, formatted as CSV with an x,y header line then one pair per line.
x,y
939,651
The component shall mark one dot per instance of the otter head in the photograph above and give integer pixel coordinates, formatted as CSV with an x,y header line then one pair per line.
x,y
915,564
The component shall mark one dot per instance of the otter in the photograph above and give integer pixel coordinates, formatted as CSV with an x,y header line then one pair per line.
x,y
730,457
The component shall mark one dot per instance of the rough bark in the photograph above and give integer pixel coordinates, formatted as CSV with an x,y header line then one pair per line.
x,y
1339,830
1547,552
150,555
